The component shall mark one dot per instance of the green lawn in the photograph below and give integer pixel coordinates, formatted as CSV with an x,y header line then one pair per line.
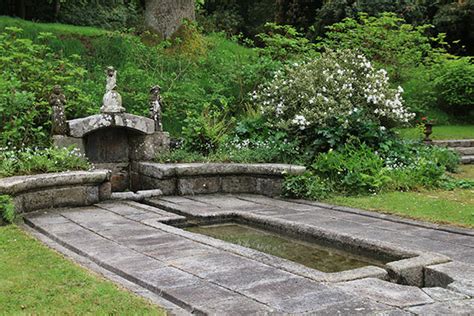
x,y
35,280
439,206
441,132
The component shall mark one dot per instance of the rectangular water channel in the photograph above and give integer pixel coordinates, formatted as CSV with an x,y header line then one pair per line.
x,y
313,255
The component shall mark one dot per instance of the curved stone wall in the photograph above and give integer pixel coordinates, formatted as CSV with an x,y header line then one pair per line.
x,y
75,188
205,178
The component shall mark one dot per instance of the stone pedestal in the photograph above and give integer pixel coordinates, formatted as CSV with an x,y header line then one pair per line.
x,y
147,147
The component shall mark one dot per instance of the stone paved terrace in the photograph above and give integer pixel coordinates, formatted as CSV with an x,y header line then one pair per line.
x,y
198,274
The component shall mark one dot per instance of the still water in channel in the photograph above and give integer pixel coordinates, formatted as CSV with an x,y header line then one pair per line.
x,y
309,254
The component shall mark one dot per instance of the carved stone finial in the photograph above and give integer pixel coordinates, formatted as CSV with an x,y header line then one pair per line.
x,y
57,100
155,107
112,101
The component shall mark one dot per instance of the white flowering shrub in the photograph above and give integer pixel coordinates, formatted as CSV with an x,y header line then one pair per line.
x,y
334,86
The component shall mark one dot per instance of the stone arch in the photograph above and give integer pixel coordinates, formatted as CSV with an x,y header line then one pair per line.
x,y
84,126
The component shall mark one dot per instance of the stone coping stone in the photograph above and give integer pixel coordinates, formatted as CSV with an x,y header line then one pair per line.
x,y
82,126
19,184
164,171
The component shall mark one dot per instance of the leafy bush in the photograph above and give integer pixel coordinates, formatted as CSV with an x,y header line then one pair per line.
x,y
31,161
354,169
28,71
454,85
357,168
112,15
388,41
275,149
285,43
306,186
7,209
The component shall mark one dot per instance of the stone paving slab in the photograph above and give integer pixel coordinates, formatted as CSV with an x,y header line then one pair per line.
x,y
204,275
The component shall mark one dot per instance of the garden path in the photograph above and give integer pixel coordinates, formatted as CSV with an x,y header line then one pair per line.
x,y
201,275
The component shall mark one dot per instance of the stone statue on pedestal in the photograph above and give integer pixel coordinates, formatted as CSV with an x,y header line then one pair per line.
x,y
112,101
57,100
155,107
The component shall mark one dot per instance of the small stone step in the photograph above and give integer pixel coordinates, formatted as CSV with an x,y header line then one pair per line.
x,y
455,143
466,160
464,151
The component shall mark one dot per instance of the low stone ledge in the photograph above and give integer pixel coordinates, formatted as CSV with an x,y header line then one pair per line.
x,y
75,188
19,184
206,178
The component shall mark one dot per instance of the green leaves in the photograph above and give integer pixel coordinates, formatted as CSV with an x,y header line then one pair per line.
x,y
7,209
28,71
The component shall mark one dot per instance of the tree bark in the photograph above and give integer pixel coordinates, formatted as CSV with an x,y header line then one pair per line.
x,y
166,16
22,9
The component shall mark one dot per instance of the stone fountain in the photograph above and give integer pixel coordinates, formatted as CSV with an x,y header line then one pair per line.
x,y
113,139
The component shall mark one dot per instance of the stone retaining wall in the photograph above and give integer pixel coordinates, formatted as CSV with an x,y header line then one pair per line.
x,y
76,188
206,178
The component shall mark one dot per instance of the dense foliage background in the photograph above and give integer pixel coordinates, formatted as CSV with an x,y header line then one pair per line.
x,y
322,83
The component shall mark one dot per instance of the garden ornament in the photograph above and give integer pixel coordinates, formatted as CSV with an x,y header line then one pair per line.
x,y
57,100
112,101
155,107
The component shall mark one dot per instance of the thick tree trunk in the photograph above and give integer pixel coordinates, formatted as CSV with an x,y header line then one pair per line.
x,y
166,16
22,9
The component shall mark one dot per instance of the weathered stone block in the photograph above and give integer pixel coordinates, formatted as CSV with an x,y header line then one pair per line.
x,y
147,147
199,185
269,186
105,191
120,178
410,271
57,197
239,184
141,182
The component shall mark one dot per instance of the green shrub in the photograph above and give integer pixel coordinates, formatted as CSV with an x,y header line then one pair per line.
x,y
112,15
7,209
28,71
454,84
31,161
387,41
354,169
306,186
284,43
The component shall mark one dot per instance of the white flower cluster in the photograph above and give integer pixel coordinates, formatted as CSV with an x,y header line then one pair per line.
x,y
336,85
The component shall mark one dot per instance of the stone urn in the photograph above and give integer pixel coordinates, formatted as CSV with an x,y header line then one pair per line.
x,y
428,131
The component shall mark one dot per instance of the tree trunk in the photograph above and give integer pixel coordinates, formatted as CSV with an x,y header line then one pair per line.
x,y
166,16
22,9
